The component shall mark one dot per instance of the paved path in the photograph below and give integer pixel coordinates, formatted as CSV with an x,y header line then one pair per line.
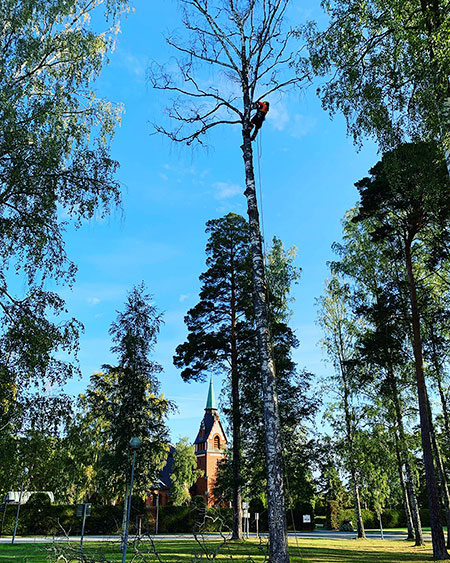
x,y
315,534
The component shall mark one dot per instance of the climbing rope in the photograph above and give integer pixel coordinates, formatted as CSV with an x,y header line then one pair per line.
x,y
259,155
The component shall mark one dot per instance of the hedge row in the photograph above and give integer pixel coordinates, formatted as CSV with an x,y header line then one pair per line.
x,y
107,520
390,517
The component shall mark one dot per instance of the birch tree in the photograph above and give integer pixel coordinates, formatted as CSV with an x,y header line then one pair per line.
x,y
380,296
339,343
245,44
54,162
388,68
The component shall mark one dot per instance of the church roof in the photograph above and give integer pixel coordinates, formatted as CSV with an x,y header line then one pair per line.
x,y
163,481
211,401
211,415
205,427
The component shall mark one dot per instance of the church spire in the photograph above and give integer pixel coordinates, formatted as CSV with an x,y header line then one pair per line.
x,y
211,401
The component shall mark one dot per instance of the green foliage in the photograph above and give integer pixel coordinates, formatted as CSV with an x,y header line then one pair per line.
x,y
346,526
38,501
184,472
333,515
389,65
122,402
55,162
370,519
225,284
281,274
393,518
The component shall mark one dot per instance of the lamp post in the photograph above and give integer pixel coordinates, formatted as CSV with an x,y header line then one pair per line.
x,y
134,443
25,473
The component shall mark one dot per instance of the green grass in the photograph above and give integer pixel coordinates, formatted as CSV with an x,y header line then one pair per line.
x,y
315,550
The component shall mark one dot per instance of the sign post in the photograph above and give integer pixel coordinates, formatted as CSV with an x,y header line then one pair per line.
x,y
257,523
25,473
246,517
83,510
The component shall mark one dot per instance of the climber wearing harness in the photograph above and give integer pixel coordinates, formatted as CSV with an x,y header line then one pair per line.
x,y
257,120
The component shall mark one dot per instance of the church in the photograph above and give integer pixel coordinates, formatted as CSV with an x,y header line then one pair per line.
x,y
209,448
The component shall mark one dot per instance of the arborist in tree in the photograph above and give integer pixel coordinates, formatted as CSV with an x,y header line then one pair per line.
x,y
259,117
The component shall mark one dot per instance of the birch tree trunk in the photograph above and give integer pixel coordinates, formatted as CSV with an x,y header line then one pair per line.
x,y
359,521
406,504
418,534
275,490
437,534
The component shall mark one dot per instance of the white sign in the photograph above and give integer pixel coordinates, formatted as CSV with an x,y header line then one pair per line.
x,y
245,505
256,515
246,514
306,518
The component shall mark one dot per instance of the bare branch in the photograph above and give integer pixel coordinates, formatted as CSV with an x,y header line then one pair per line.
x,y
219,34
189,139
292,82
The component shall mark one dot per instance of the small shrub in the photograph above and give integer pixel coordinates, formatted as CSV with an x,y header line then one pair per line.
x,y
39,500
392,518
346,526
333,514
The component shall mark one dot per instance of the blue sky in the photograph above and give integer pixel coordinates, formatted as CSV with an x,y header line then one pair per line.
x,y
308,168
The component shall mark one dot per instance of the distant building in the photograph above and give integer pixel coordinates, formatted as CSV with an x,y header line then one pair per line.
x,y
209,447
162,484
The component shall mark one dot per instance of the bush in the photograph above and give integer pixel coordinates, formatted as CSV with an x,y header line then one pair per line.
x,y
369,518
320,520
346,526
39,500
300,509
333,514
393,518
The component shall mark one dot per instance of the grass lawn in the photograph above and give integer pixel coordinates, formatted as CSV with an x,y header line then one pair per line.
x,y
317,550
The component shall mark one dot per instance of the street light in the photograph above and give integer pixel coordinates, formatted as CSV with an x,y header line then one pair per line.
x,y
25,473
134,444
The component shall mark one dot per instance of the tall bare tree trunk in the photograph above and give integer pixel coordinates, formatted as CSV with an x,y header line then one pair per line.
x,y
279,552
437,534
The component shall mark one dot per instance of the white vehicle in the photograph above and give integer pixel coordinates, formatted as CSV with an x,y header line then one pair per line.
x,y
12,497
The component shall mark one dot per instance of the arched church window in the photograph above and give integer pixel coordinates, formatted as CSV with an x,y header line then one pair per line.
x,y
216,443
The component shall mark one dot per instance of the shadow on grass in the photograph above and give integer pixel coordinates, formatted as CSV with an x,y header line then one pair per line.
x,y
184,551
361,552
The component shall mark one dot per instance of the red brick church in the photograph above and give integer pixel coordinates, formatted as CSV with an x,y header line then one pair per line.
x,y
209,447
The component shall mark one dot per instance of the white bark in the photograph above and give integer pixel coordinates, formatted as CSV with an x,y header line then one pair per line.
x,y
275,490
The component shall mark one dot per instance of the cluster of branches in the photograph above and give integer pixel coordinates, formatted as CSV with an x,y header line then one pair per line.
x,y
245,43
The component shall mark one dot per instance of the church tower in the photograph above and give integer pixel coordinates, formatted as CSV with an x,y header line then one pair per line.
x,y
209,447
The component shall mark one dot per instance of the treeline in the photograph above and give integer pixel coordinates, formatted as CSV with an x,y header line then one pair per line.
x,y
385,319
